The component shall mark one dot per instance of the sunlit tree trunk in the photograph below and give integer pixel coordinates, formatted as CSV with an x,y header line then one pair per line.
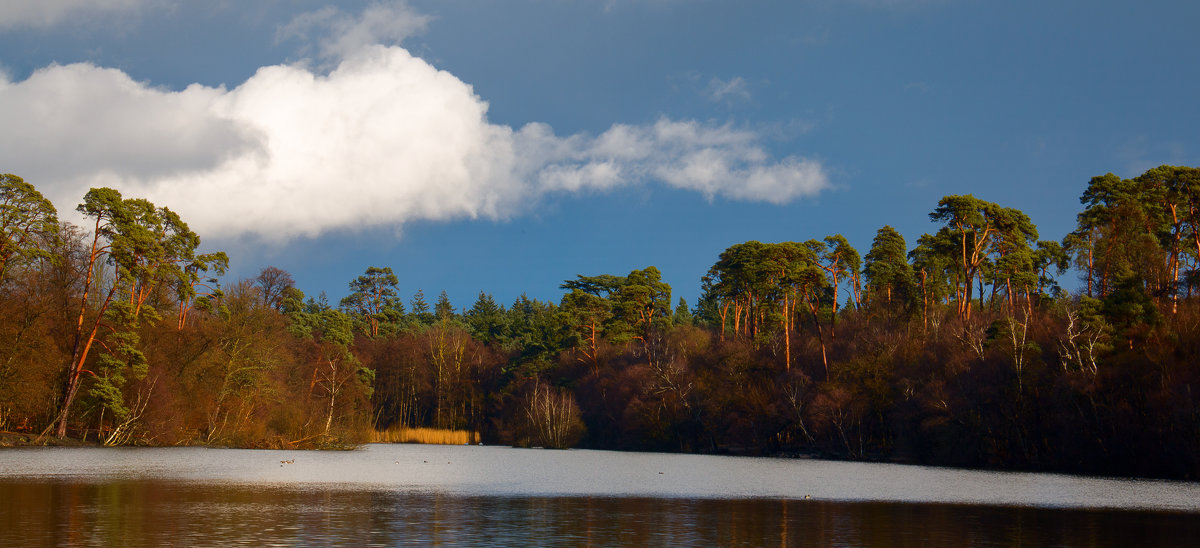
x,y
82,344
814,307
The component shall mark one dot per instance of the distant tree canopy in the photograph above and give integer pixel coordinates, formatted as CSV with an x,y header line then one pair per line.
x,y
961,350
1142,232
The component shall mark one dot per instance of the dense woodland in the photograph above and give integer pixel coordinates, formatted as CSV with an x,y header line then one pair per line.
x,y
957,349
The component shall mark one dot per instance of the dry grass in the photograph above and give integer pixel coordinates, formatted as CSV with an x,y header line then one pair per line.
x,y
433,436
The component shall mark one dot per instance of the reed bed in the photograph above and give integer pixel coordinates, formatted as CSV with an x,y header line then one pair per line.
x,y
433,436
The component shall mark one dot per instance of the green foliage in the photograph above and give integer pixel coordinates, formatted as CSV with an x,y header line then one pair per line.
x,y
982,240
121,361
887,272
1140,230
1097,385
486,320
840,261
629,307
148,247
373,303
336,327
683,315
640,305
316,321
1128,306
366,380
300,321
585,313
761,281
28,224
442,309
932,264
535,333
604,285
1050,260
420,310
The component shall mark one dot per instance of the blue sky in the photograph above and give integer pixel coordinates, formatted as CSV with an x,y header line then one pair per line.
x,y
507,146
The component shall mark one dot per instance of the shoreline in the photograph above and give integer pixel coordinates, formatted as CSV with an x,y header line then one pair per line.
x,y
21,440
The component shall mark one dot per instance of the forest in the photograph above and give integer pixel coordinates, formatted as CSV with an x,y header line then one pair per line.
x,y
958,349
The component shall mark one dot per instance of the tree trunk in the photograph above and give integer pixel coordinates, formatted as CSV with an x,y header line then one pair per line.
x,y
812,306
79,357
787,335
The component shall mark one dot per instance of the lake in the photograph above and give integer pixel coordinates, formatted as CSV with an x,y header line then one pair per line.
x,y
402,495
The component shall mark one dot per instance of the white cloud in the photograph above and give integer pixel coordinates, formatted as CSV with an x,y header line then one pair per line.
x,y
735,89
713,160
47,13
339,34
382,139
73,120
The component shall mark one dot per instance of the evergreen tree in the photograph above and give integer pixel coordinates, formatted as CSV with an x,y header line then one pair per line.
x,y
373,301
486,320
889,276
683,315
442,309
420,309
28,223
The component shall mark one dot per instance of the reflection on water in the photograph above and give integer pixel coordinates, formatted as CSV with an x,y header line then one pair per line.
x,y
449,496
163,513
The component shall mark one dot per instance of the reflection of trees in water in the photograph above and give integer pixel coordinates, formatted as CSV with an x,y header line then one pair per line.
x,y
49,512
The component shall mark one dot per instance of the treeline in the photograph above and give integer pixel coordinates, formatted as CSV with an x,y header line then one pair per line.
x,y
961,350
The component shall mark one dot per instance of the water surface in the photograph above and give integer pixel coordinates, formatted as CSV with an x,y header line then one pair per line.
x,y
393,495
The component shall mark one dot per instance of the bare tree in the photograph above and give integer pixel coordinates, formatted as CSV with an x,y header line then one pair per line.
x,y
554,417
272,282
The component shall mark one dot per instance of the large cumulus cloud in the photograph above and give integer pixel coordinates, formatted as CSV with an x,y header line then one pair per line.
x,y
380,139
